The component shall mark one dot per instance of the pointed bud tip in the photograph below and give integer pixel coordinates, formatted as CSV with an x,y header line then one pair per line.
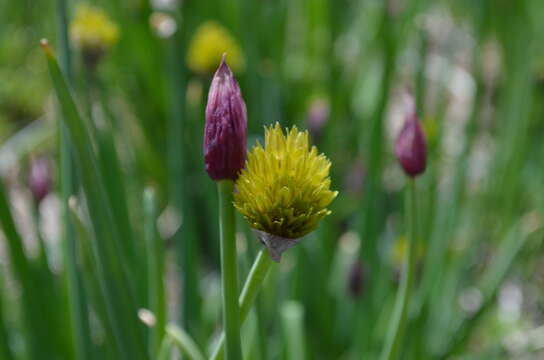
x,y
223,68
411,148
44,43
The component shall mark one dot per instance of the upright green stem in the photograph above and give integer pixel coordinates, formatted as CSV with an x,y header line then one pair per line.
x,y
155,272
74,285
398,320
229,270
253,283
177,120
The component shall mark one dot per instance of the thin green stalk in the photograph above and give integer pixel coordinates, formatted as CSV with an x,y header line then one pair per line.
x,y
372,148
177,164
253,283
76,297
229,270
166,349
292,314
121,305
155,272
184,342
398,320
5,349
22,271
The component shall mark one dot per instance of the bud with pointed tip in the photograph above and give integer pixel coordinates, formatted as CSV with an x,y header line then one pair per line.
x,y
39,179
226,126
411,148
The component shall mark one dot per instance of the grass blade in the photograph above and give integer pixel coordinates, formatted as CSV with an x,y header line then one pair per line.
x,y
155,271
121,307
184,343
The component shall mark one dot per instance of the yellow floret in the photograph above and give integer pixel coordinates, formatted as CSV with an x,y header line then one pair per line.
x,y
207,47
92,29
284,189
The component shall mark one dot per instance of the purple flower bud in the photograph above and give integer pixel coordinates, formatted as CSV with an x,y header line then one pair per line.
x,y
410,147
226,126
39,179
356,279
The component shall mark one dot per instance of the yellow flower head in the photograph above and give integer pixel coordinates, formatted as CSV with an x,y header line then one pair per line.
x,y
284,189
92,29
207,47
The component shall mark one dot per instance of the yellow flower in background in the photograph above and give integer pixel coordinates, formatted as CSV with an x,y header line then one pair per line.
x,y
92,30
399,251
284,189
209,43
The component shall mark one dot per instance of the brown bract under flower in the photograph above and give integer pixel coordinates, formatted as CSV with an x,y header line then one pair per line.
x,y
226,127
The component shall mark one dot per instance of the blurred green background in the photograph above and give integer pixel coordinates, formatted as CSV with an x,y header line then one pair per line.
x,y
73,278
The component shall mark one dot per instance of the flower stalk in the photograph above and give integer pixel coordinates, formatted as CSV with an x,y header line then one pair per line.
x,y
398,321
257,274
229,271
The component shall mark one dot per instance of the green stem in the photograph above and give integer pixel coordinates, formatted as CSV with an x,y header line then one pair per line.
x,y
76,295
166,349
292,314
254,280
398,320
229,270
178,163
5,337
184,342
155,271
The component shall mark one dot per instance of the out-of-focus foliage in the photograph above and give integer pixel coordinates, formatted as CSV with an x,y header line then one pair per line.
x,y
73,282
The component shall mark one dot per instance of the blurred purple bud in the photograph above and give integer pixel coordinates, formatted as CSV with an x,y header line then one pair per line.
x,y
226,126
410,146
39,179
356,279
318,115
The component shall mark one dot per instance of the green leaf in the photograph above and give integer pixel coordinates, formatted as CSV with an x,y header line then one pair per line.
x,y
112,276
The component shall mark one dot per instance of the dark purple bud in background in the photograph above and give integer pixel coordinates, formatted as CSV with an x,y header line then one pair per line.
x,y
39,179
356,279
410,146
226,126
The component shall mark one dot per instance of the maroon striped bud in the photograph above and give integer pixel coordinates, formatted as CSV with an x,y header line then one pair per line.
x,y
39,179
226,126
410,146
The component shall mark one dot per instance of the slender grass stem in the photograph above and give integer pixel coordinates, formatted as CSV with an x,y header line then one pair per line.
x,y
229,270
292,314
184,342
5,349
166,349
178,163
398,320
74,285
155,272
253,283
